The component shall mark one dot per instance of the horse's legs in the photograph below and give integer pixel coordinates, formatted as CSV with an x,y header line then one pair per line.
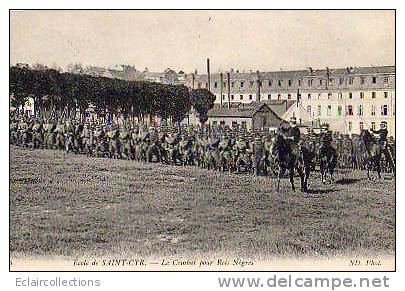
x,y
368,170
378,168
302,177
322,169
331,172
280,173
292,178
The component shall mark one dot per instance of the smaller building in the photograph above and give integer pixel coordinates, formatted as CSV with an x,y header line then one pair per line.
x,y
248,116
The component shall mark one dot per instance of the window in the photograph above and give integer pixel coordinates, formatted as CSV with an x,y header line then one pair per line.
x,y
289,83
350,95
361,125
223,97
279,96
270,83
299,82
372,109
340,95
319,95
329,95
341,81
243,124
331,81
310,81
361,95
339,110
351,80
309,95
288,96
386,79
350,110
384,110
241,84
328,110
309,109
360,110
215,85
362,80
373,94
279,83
319,110
269,96
234,123
232,84
232,97
374,80
350,126
214,122
250,97
385,94
224,84
251,83
241,97
373,125
320,81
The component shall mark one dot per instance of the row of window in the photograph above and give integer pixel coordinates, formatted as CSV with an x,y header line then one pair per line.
x,y
309,96
350,95
361,125
349,110
235,124
310,82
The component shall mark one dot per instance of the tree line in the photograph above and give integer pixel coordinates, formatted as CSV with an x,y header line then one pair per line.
x,y
59,95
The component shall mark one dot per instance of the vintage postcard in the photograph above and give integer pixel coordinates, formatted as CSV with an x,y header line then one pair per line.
x,y
202,140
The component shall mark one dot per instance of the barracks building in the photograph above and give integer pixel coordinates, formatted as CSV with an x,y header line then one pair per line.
x,y
348,99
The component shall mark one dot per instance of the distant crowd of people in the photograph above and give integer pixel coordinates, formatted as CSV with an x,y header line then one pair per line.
x,y
219,148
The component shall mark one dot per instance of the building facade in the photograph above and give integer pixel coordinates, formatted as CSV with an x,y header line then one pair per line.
x,y
348,99
247,116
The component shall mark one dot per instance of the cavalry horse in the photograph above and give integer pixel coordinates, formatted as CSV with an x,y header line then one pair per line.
x,y
284,158
327,162
372,153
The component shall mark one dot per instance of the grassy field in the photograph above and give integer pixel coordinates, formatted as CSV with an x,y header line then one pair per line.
x,y
70,204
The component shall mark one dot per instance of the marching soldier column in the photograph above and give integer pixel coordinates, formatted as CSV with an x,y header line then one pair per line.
x,y
221,148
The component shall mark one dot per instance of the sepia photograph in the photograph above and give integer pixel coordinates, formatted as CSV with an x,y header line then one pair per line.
x,y
202,140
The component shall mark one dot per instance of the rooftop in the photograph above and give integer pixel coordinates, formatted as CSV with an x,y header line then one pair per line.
x,y
247,110
300,73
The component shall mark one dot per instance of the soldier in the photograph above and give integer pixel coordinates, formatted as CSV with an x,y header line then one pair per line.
x,y
382,140
125,141
293,134
325,139
37,134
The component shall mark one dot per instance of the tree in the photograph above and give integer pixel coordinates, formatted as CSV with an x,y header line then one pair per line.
x,y
202,100
21,82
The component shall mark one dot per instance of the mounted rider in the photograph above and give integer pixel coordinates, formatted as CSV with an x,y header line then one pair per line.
x,y
325,139
293,134
382,135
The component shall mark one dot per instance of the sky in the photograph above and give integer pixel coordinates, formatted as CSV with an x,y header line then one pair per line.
x,y
183,40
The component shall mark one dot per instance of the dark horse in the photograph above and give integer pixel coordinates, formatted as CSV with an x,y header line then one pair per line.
x,y
327,161
372,152
284,158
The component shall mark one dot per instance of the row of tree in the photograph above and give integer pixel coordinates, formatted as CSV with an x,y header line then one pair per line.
x,y
57,95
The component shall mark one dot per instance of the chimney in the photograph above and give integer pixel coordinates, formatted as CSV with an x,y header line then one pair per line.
x,y
222,82
258,86
229,89
208,74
